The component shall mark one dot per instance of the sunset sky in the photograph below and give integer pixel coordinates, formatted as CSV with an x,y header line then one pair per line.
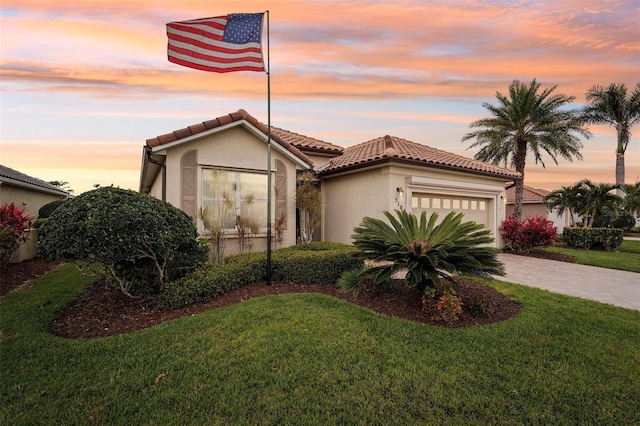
x,y
85,83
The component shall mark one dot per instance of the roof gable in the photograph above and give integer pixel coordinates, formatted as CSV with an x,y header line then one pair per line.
x,y
390,148
295,143
14,177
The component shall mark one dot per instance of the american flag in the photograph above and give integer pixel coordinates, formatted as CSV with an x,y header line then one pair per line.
x,y
219,44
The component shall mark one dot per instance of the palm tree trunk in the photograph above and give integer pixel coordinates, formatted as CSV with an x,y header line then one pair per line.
x,y
620,172
520,161
517,206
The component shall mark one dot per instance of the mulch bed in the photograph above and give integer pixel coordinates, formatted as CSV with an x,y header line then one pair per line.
x,y
14,275
106,311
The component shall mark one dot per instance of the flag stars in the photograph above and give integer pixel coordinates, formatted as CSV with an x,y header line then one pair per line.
x,y
243,28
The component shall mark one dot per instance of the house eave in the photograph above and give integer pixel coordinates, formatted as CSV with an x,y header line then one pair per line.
x,y
377,162
26,185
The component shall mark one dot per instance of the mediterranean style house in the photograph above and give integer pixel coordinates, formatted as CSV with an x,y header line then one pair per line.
x,y
221,165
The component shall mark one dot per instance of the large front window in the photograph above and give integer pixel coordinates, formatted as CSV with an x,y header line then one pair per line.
x,y
231,194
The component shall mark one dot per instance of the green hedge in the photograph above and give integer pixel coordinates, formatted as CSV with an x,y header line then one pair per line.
x,y
210,281
610,239
314,263
311,263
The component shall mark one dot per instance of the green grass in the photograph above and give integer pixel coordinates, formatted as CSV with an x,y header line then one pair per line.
x,y
626,259
313,359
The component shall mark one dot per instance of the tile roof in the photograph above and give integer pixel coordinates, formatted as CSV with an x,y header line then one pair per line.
x,y
391,148
293,142
14,177
307,143
530,195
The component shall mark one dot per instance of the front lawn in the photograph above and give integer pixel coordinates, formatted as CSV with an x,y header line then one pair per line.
x,y
314,359
627,258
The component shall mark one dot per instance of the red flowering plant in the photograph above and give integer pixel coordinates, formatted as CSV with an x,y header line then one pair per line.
x,y
14,224
443,305
523,235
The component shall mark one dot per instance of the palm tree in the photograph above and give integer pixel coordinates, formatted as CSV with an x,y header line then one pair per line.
x,y
610,105
564,199
595,199
527,121
429,252
632,198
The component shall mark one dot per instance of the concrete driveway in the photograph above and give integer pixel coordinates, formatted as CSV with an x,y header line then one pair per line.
x,y
611,286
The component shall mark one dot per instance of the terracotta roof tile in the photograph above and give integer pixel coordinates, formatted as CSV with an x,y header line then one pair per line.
x,y
530,195
210,124
197,128
183,133
390,148
169,137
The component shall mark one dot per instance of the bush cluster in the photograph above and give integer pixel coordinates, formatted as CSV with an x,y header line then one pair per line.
x,y
137,240
212,280
615,218
523,235
310,263
610,239
314,263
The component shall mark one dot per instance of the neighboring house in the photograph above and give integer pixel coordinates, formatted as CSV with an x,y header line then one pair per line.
x,y
31,194
186,168
533,205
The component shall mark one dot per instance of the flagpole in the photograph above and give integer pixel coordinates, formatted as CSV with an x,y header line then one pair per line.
x,y
268,156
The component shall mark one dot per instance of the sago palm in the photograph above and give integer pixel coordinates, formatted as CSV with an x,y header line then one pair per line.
x,y
527,121
429,252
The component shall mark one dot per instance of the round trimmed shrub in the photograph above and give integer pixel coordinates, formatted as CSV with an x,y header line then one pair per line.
x,y
138,241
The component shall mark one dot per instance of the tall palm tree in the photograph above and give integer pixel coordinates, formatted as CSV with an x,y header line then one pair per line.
x,y
564,199
528,121
610,105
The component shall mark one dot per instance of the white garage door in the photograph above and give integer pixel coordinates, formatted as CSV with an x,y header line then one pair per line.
x,y
475,209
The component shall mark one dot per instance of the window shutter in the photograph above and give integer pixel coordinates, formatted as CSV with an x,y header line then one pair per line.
x,y
281,190
188,171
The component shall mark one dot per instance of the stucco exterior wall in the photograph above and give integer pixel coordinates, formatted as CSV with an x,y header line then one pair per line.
x,y
529,210
348,198
156,188
234,148
318,160
25,198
